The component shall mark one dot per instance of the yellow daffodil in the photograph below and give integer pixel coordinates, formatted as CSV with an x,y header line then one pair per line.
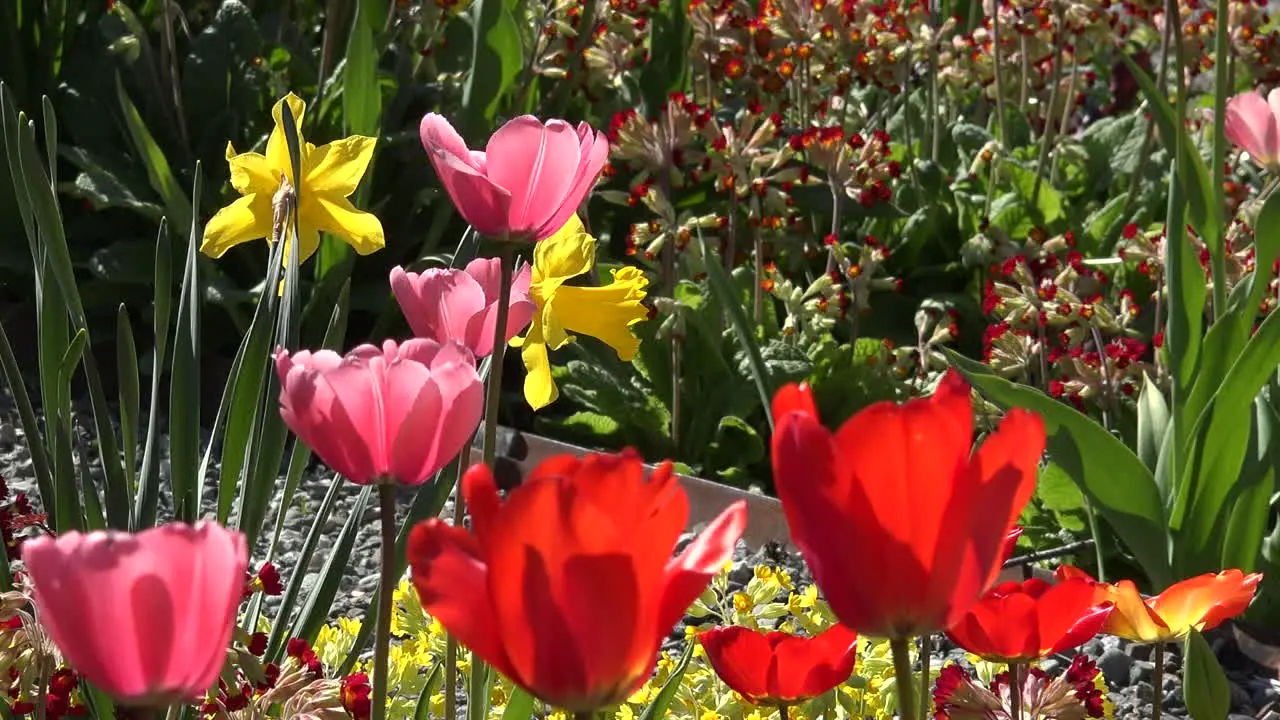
x,y
605,312
330,174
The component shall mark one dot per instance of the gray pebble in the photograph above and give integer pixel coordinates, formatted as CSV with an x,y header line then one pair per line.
x,y
1115,665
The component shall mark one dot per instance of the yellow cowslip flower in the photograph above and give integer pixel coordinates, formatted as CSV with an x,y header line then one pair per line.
x,y
605,312
330,174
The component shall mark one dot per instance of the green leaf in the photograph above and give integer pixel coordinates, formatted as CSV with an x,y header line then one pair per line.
x,y
1098,226
519,706
724,294
147,493
1246,526
479,689
130,393
281,624
496,60
184,384
1153,421
422,711
658,708
1109,474
158,171
66,511
27,416
326,588
736,444
361,98
1192,173
1204,686
1219,448
1057,491
667,70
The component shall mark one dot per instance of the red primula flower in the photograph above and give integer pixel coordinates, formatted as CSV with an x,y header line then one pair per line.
x,y
897,494
1016,622
777,668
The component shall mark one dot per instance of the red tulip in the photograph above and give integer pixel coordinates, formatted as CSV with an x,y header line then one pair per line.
x,y
147,617
1017,622
389,414
902,526
569,587
777,668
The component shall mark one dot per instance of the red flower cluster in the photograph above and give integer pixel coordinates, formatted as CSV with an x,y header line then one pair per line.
x,y
58,702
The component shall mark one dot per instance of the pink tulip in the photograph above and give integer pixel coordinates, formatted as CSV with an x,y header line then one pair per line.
x,y
395,414
528,181
462,305
1253,124
145,617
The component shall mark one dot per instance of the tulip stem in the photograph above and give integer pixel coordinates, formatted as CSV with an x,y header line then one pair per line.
x,y
387,586
1015,691
1157,657
926,651
506,260
784,712
901,649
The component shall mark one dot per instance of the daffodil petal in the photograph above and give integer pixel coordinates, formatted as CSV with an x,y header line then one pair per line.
x,y
248,218
308,244
336,215
568,253
554,333
539,389
277,145
606,313
336,168
252,173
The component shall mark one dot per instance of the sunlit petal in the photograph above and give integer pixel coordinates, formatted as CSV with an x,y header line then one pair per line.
x,y
336,168
248,218
336,215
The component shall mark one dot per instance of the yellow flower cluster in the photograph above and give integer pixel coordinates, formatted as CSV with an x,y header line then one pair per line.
x,y
770,600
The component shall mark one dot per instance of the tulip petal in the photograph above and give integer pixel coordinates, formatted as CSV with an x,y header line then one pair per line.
x,y
1249,123
247,218
538,167
793,398
440,304
689,572
805,668
336,168
741,658
452,581
1203,602
482,203
593,153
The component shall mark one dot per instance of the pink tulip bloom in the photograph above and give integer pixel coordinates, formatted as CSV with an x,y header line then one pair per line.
x,y
145,617
1253,124
528,181
389,414
462,305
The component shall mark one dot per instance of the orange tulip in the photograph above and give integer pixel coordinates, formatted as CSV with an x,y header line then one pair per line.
x,y
903,527
569,586
1202,602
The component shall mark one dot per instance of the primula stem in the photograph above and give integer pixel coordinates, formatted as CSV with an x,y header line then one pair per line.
x,y
506,257
387,586
1157,657
901,649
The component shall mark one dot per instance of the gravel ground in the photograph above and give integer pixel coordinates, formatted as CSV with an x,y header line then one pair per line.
x,y
1127,668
